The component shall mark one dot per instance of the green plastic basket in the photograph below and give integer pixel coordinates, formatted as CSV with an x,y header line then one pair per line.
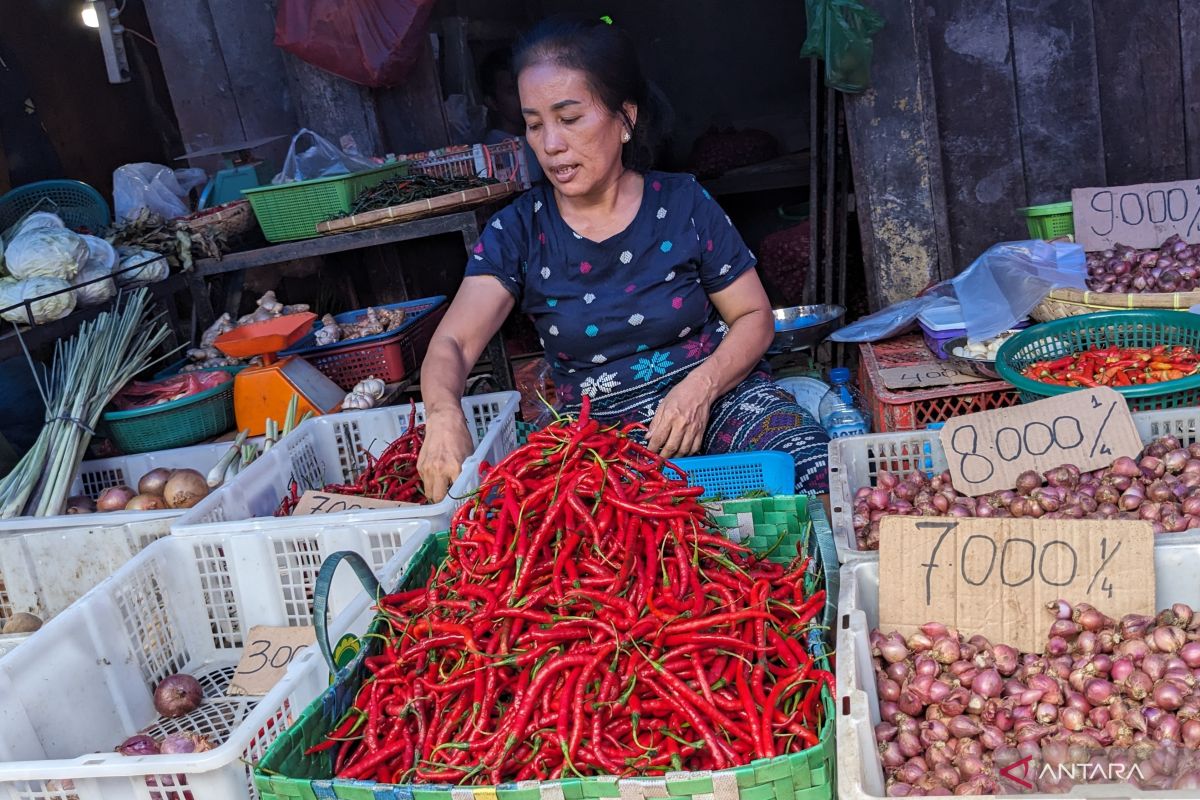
x,y
1134,328
1050,221
291,211
178,423
285,772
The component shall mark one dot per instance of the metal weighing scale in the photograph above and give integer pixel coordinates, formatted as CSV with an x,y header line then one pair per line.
x,y
264,392
240,170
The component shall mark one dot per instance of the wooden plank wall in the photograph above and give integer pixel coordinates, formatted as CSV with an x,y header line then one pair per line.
x,y
1031,98
229,83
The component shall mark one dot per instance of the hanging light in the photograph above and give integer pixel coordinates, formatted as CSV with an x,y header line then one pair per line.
x,y
88,12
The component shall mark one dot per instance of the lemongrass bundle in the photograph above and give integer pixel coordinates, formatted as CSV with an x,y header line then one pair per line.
x,y
87,372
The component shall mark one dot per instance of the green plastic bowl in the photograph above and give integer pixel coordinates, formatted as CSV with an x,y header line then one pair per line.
x,y
1134,328
179,423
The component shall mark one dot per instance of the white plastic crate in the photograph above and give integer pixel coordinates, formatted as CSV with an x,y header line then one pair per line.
x,y
43,572
85,682
855,461
46,563
331,449
860,773
97,475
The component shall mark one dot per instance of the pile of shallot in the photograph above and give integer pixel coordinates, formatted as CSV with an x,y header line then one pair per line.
x,y
1162,487
1174,267
1117,699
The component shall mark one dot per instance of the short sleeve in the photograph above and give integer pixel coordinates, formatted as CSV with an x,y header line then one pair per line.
x,y
724,257
500,251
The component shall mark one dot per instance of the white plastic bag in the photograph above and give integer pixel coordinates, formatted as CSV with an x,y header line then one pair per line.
x,y
888,322
320,160
1004,284
160,189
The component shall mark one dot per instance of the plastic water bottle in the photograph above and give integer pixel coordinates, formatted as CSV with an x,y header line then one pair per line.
x,y
842,410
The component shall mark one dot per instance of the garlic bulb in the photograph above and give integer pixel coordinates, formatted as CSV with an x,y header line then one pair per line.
x,y
358,401
371,387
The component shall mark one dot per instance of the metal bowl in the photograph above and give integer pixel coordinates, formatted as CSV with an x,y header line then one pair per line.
x,y
970,366
798,327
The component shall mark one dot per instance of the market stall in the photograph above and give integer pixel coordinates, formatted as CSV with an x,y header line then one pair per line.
x,y
295,523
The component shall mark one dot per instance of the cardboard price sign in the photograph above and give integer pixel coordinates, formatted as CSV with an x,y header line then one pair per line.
x,y
924,375
329,503
1090,428
1143,215
994,576
266,656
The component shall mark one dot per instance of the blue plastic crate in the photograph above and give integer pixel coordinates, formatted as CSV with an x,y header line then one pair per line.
x,y
735,474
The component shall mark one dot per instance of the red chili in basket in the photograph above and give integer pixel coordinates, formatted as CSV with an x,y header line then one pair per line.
x,y
589,619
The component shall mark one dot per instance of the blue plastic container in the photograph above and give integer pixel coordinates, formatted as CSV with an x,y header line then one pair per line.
x,y
735,474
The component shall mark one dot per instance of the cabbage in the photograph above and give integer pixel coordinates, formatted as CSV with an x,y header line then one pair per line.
x,y
101,258
46,252
155,267
47,309
39,219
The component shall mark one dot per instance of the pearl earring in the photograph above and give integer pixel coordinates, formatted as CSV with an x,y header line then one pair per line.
x,y
625,137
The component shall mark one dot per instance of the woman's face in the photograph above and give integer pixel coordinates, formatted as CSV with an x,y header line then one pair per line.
x,y
576,138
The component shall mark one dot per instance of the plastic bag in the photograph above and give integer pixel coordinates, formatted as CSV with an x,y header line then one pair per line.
x,y
1004,284
890,321
371,42
139,394
320,160
839,32
161,189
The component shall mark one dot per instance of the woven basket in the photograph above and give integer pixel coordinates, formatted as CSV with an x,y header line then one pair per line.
x,y
1062,303
230,220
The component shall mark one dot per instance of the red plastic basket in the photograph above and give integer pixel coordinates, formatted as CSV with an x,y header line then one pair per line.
x,y
913,409
391,359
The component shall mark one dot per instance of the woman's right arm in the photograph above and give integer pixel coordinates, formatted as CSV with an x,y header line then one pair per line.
x,y
475,315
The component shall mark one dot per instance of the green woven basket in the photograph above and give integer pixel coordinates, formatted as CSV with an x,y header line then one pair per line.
x,y
1050,221
291,211
1134,328
285,772
178,423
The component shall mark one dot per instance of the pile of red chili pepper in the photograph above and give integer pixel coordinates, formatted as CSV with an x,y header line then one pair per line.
x,y
586,621
1117,366
391,476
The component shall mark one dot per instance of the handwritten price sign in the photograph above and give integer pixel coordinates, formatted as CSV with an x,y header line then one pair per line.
x,y
1089,428
328,503
920,375
1138,216
995,576
266,656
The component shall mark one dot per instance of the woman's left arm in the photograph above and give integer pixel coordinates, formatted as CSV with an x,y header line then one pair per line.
x,y
682,417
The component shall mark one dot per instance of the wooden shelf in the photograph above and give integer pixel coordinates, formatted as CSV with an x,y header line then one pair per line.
x,y
462,222
785,172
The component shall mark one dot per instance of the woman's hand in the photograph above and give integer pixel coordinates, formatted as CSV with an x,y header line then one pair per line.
x,y
682,417
447,445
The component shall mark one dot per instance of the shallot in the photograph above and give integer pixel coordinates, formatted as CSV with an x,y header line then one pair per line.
x,y
1121,692
1162,487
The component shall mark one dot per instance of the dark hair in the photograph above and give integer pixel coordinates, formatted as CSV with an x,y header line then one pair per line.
x,y
607,56
492,65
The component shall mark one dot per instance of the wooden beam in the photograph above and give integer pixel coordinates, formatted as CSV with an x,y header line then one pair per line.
x,y
1189,41
412,116
1058,100
971,61
894,147
257,78
1141,87
197,77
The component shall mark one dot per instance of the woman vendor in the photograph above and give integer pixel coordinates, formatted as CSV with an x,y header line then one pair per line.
x,y
643,293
